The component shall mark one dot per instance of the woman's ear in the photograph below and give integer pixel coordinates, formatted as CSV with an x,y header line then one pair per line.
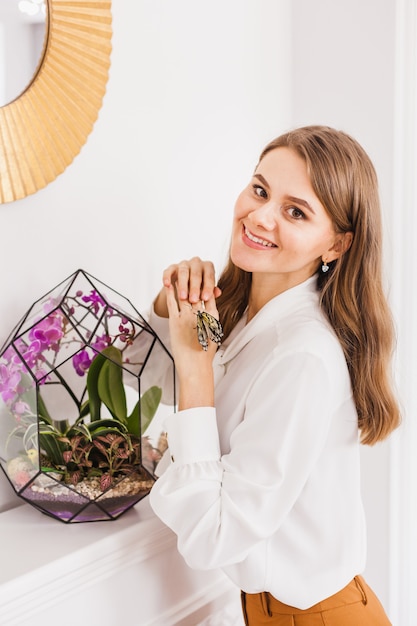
x,y
341,245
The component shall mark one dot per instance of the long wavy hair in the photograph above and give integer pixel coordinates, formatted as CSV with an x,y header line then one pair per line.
x,y
351,292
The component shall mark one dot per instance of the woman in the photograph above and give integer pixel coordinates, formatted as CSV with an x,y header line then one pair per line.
x,y
264,481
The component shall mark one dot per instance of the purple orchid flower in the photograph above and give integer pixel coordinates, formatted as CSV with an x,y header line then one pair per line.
x,y
95,299
81,362
10,377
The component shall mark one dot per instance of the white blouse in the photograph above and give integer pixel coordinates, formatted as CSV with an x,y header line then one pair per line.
x,y
266,486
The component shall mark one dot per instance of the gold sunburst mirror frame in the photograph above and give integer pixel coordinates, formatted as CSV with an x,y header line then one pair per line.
x,y
46,126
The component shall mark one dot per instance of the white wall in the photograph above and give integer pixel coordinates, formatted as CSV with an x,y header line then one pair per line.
x,y
403,502
344,62
195,91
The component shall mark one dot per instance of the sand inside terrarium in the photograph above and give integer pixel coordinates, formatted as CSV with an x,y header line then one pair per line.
x,y
90,488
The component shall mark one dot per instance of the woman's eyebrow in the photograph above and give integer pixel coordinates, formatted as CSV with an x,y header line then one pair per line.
x,y
261,179
303,203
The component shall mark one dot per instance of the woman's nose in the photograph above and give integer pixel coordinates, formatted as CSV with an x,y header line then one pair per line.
x,y
264,216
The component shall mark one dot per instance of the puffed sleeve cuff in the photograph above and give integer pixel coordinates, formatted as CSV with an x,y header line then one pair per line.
x,y
159,324
193,436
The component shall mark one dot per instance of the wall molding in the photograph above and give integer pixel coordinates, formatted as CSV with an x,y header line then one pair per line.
x,y
403,228
53,568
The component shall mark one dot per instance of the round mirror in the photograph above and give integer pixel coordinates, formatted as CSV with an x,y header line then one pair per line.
x,y
22,41
43,129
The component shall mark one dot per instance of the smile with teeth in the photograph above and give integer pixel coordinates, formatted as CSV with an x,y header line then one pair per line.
x,y
262,242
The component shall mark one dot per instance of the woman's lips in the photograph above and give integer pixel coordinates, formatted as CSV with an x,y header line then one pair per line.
x,y
258,242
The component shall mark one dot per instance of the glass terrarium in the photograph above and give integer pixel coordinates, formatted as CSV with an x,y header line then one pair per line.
x,y
81,397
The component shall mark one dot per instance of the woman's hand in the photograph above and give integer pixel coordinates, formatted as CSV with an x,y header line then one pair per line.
x,y
194,281
193,364
186,286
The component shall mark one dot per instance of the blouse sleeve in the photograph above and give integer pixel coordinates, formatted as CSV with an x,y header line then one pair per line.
x,y
221,506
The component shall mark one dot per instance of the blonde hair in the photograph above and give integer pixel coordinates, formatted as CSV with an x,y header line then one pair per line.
x,y
352,294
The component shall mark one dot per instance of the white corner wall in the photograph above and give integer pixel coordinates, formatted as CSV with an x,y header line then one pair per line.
x,y
344,76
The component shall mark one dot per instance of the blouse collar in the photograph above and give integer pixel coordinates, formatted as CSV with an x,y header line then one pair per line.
x,y
274,310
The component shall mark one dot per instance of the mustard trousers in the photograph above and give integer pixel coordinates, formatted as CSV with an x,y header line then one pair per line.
x,y
355,605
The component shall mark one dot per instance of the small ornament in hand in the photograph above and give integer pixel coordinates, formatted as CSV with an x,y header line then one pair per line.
x,y
208,328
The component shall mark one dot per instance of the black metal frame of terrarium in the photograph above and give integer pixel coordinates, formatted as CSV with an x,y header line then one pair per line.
x,y
80,389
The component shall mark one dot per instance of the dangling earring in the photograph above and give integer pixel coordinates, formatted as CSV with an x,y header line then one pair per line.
x,y
324,267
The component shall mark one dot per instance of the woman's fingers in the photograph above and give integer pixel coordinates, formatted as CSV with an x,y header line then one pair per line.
x,y
194,280
210,306
171,301
190,332
209,288
184,276
169,275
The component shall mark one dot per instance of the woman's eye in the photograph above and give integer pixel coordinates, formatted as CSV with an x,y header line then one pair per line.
x,y
259,191
296,213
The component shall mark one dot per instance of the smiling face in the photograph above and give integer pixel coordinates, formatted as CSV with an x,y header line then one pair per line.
x,y
280,228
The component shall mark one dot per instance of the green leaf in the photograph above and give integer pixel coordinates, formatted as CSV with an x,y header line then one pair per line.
x,y
94,401
133,421
49,443
102,432
81,429
148,403
42,410
108,424
30,438
52,470
110,384
84,410
61,426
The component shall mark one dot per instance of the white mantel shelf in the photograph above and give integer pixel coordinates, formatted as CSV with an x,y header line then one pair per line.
x,y
101,573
